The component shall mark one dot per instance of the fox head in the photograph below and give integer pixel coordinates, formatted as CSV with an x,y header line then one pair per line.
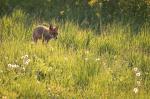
x,y
53,31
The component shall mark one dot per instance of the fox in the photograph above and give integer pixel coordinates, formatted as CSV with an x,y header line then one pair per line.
x,y
45,33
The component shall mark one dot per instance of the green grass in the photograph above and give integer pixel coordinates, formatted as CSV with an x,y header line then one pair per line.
x,y
79,64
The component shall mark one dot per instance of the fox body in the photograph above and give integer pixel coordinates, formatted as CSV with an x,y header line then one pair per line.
x,y
44,33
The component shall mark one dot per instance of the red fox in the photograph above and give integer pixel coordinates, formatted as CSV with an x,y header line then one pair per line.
x,y
45,33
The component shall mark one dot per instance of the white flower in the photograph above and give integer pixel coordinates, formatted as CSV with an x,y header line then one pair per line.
x,y
24,57
9,65
26,62
135,90
13,66
97,59
138,74
135,69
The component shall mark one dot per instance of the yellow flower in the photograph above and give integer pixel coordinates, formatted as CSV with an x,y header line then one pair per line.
x,y
135,90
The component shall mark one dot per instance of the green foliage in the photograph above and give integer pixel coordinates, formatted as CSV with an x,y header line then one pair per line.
x,y
94,11
79,64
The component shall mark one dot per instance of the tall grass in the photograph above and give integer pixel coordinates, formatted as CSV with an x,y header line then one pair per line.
x,y
79,64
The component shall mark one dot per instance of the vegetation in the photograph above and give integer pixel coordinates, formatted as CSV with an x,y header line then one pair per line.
x,y
93,57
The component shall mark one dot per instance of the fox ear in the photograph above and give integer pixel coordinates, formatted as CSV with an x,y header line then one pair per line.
x,y
50,26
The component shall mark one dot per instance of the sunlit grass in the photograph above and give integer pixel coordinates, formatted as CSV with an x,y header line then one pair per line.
x,y
78,64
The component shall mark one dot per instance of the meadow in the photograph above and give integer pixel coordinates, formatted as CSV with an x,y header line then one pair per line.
x,y
81,63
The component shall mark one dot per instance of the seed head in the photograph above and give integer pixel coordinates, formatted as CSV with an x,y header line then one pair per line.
x,y
135,69
138,74
135,90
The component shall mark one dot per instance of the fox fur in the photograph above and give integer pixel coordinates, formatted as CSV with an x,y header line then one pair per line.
x,y
45,33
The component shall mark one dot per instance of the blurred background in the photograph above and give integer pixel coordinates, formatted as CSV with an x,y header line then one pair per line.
x,y
88,13
103,48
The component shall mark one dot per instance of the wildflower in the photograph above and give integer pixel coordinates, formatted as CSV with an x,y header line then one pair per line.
x,y
13,66
9,65
97,59
138,74
26,62
25,56
135,69
135,90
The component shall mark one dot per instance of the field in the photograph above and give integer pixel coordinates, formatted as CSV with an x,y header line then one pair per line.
x,y
81,63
